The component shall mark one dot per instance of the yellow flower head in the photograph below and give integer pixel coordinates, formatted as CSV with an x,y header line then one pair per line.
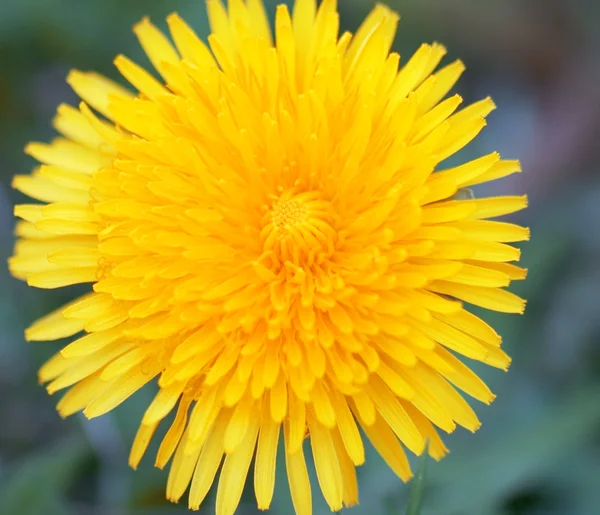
x,y
269,232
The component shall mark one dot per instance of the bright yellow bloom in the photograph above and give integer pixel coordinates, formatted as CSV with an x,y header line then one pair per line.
x,y
269,232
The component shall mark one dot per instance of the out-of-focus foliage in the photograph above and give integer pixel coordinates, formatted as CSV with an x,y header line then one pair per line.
x,y
538,451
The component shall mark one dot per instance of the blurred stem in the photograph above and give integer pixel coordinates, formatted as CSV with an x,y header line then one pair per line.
x,y
415,499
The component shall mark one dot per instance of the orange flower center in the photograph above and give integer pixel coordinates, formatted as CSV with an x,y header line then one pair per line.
x,y
288,213
298,228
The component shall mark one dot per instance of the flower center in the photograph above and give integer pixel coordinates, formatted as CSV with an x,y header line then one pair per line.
x,y
287,213
298,228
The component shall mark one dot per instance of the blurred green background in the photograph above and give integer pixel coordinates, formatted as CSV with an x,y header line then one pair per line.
x,y
538,451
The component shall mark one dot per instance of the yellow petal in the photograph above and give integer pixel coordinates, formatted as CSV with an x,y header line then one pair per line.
x,y
240,423
463,377
298,478
96,90
156,46
63,277
119,390
68,155
489,298
347,470
219,25
91,343
478,276
80,395
279,399
488,230
208,463
139,79
41,188
189,45
174,434
498,171
445,79
322,405
181,470
53,327
429,382
266,458
235,470
75,256
163,403
140,444
437,449
296,425
74,126
497,206
348,430
388,446
393,413
471,324
326,463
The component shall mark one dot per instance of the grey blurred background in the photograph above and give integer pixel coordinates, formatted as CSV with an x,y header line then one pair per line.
x,y
538,451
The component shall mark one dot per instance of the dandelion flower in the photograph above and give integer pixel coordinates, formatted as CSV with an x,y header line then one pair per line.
x,y
271,234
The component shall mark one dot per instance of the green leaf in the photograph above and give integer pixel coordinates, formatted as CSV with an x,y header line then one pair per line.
x,y
415,499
